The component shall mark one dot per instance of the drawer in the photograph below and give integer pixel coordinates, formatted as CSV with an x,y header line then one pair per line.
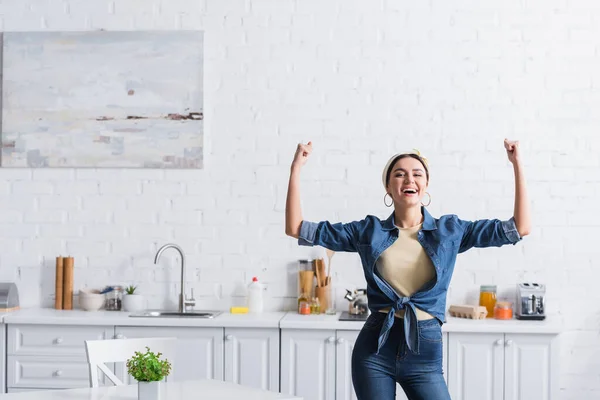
x,y
48,372
57,340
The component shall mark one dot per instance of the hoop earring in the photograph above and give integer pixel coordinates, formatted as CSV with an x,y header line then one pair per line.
x,y
425,205
386,204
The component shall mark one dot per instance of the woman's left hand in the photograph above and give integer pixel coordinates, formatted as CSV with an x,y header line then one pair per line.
x,y
512,151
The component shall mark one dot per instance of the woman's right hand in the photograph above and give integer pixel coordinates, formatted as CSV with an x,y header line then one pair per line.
x,y
302,153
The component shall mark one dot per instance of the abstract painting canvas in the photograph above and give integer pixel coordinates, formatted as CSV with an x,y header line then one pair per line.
x,y
102,99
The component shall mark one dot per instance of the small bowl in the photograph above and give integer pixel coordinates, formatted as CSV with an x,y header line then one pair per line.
x,y
90,301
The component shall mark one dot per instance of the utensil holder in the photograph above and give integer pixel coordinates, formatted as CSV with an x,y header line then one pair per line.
x,y
325,296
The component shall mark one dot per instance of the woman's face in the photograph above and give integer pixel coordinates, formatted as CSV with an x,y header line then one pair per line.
x,y
408,182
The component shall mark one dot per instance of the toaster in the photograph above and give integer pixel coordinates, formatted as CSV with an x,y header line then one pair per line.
x,y
530,304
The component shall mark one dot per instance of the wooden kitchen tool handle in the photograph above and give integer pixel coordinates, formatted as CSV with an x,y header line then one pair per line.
x,y
318,272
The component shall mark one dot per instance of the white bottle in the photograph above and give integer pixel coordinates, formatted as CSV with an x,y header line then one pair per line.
x,y
255,296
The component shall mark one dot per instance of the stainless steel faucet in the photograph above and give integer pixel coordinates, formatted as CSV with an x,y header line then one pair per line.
x,y
184,302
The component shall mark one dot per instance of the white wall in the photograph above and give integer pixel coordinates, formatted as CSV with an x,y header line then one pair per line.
x,y
362,80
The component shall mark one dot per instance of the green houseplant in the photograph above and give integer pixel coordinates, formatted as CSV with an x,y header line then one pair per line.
x,y
132,301
148,370
130,289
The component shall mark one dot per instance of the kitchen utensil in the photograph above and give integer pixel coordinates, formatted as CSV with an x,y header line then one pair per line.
x,y
468,311
90,300
330,254
530,304
358,301
9,297
323,294
346,316
318,272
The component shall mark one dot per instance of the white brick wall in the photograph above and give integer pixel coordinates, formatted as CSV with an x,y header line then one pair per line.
x,y
362,79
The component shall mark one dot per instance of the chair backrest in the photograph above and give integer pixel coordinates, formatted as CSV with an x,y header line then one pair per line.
x,y
100,352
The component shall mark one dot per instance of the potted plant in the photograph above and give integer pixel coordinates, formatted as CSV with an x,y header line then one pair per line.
x,y
148,370
132,301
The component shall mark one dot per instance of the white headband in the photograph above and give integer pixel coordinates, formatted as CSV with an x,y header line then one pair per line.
x,y
388,165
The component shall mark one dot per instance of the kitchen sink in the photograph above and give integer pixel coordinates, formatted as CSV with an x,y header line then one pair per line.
x,y
176,314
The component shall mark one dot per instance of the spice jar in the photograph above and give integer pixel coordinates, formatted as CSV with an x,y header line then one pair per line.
x,y
304,308
487,299
503,310
114,299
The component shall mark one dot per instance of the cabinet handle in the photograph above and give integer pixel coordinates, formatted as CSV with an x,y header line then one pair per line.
x,y
509,342
229,337
58,340
340,341
58,373
330,339
499,342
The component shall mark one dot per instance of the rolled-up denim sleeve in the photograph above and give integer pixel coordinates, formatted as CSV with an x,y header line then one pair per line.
x,y
488,233
336,237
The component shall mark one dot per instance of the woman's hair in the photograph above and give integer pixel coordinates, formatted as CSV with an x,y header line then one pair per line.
x,y
399,157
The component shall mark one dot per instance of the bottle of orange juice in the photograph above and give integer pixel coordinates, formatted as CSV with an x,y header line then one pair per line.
x,y
487,298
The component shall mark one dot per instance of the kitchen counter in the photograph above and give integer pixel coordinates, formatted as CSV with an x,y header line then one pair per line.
x,y
278,319
50,316
552,325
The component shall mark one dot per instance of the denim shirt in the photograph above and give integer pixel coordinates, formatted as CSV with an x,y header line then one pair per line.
x,y
442,240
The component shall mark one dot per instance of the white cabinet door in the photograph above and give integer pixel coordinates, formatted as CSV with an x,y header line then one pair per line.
x,y
476,366
344,389
252,357
308,363
2,358
530,368
199,350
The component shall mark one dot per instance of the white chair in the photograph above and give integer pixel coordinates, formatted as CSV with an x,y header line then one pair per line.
x,y
100,352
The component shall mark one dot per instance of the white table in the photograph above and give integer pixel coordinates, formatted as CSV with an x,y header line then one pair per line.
x,y
203,389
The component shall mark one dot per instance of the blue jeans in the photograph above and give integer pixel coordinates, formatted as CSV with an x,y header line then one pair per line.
x,y
375,375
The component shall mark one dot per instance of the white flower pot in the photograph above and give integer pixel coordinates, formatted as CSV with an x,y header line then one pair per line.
x,y
134,302
149,390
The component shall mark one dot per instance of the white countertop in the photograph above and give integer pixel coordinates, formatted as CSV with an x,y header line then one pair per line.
x,y
278,319
50,316
551,325
207,389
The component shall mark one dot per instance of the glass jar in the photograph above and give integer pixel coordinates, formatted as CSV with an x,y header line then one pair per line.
x,y
487,299
114,299
306,277
330,306
503,310
304,308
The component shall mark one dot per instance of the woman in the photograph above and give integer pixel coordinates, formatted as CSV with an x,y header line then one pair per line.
x,y
408,260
